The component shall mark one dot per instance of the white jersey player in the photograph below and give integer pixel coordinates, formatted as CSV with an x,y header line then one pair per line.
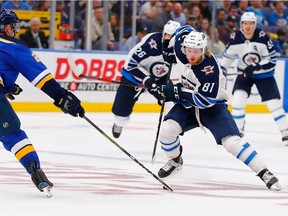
x,y
256,61
145,66
200,100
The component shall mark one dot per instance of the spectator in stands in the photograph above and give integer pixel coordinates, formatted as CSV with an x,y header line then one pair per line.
x,y
231,25
132,41
205,11
279,42
97,31
197,13
177,14
16,5
148,12
233,11
277,17
34,37
60,7
128,8
115,28
216,46
242,7
220,18
256,8
204,25
43,5
162,17
192,21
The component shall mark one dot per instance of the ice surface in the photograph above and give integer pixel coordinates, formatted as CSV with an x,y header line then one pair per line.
x,y
92,176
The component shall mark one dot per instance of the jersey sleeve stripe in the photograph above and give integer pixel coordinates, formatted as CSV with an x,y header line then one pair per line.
x,y
44,80
40,77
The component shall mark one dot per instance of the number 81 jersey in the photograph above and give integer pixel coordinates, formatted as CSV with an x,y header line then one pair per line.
x,y
203,85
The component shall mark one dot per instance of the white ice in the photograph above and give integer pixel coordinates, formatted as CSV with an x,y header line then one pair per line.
x,y
92,176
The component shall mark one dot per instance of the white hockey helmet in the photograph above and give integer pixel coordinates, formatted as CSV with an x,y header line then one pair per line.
x,y
249,17
196,40
170,27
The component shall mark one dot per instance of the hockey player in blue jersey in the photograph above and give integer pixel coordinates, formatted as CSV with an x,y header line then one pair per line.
x,y
256,61
16,57
200,101
145,66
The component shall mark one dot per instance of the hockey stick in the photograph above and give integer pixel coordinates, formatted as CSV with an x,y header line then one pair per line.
x,y
128,154
160,119
75,69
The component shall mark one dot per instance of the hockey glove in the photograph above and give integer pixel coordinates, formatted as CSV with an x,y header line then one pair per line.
x,y
171,92
224,71
16,90
69,103
248,71
150,83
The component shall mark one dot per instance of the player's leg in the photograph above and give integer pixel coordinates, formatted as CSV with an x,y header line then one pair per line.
x,y
241,92
173,125
124,102
271,97
16,141
226,133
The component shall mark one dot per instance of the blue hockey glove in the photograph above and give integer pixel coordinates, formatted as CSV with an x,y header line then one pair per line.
x,y
150,83
248,71
69,103
171,92
16,90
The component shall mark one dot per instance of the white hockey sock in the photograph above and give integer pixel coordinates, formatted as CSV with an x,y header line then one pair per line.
x,y
243,151
279,115
238,107
121,121
169,139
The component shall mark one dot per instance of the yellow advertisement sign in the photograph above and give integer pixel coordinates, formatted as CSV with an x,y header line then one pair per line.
x,y
25,17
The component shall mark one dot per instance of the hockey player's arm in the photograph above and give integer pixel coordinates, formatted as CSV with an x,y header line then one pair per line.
x,y
174,92
63,99
268,55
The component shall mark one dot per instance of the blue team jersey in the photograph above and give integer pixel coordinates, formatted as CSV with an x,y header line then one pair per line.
x,y
202,84
15,58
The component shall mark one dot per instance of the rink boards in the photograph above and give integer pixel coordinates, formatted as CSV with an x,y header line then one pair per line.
x,y
98,96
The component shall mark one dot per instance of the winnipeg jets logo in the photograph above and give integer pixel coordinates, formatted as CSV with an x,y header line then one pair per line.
x,y
153,44
208,69
232,36
158,69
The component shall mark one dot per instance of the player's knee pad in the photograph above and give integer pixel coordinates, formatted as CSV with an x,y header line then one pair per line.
x,y
239,100
169,138
9,121
121,121
243,151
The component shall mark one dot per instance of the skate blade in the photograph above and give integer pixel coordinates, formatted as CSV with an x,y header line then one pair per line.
x,y
176,170
48,191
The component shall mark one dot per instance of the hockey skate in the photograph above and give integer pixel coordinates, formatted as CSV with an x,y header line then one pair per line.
x,y
116,131
39,179
172,166
285,137
270,180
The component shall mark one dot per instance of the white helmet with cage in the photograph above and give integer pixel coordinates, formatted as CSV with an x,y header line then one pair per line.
x,y
196,40
170,27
